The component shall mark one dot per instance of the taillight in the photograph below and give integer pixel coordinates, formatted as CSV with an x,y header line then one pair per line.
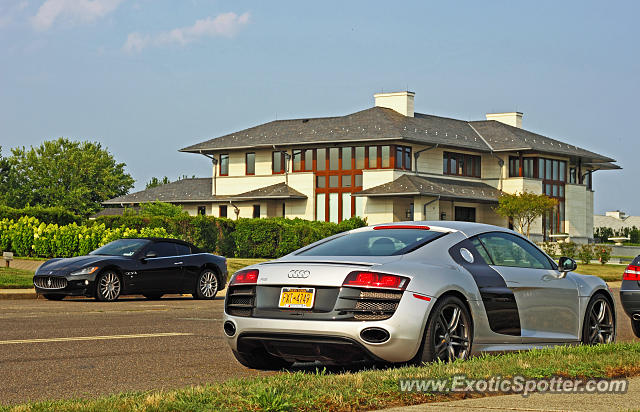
x,y
375,280
631,273
248,276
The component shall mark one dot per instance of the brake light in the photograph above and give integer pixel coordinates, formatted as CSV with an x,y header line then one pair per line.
x,y
387,227
631,273
375,280
249,276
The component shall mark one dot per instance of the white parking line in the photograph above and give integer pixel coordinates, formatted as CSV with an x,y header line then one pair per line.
x,y
83,338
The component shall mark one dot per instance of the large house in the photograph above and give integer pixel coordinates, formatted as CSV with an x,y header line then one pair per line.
x,y
388,163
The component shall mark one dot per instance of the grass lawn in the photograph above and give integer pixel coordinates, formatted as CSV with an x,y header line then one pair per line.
x,y
11,278
235,264
362,390
610,273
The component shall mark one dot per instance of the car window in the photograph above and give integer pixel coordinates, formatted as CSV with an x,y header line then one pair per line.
x,y
509,250
481,251
384,242
182,249
121,247
163,249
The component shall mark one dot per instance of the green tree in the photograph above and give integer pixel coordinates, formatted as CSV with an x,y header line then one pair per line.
x,y
161,209
77,176
154,182
524,208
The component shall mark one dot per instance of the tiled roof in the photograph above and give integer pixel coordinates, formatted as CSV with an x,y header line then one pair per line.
x,y
185,190
378,123
199,190
415,185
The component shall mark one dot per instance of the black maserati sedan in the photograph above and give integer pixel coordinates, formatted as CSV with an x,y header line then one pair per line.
x,y
150,267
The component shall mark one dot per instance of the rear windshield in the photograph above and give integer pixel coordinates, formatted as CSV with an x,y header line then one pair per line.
x,y
386,242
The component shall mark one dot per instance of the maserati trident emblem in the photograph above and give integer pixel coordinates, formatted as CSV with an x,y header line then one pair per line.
x,y
49,282
298,274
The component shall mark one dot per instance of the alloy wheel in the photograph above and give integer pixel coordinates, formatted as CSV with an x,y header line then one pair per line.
x,y
109,286
600,322
451,333
208,284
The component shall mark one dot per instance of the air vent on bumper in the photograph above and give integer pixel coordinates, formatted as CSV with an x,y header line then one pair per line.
x,y
241,300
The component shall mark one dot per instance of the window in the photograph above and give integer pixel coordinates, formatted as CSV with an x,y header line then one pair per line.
x,y
509,250
360,158
297,160
334,158
481,251
278,162
385,242
403,157
182,250
256,211
373,157
321,159
121,247
222,211
385,154
572,175
284,209
202,210
346,158
321,182
321,206
163,249
308,160
460,164
224,165
250,162
333,207
526,168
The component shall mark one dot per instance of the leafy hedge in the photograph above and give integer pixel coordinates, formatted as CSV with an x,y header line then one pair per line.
x,y
602,234
58,215
29,237
249,238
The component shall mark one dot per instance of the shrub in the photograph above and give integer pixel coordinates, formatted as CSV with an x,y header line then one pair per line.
x,y
568,249
550,248
586,253
57,215
603,253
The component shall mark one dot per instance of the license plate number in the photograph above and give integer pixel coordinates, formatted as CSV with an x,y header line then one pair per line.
x,y
297,298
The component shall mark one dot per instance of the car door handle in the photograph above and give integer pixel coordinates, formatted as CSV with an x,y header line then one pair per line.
x,y
178,263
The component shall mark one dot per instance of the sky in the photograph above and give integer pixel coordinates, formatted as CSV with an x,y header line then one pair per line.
x,y
148,77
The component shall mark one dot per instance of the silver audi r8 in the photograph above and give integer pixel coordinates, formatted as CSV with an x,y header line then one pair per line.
x,y
412,292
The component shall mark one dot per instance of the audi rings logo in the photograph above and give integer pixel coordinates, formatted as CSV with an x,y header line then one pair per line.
x,y
298,274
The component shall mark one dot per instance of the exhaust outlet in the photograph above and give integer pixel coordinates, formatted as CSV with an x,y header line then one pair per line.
x,y
636,316
229,328
374,335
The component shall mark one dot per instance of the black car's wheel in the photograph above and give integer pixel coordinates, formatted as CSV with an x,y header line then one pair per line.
x,y
599,322
448,333
50,296
206,285
108,286
635,326
261,360
153,296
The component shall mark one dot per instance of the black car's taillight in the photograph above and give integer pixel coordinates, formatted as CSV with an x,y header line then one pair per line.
x,y
632,272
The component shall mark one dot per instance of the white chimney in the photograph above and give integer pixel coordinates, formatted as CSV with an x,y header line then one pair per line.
x,y
401,102
512,118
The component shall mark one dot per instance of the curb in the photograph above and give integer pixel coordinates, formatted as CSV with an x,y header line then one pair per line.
x,y
16,294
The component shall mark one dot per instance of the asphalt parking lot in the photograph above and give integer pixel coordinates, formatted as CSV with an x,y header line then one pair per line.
x,y
83,348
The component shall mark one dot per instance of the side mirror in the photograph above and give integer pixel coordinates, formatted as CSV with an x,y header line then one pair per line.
x,y
566,264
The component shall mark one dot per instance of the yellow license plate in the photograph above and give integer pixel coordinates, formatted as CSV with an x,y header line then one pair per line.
x,y
297,298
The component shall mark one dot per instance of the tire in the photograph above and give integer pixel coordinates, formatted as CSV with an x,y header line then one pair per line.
x,y
108,286
49,296
448,334
261,360
599,322
635,326
153,296
206,285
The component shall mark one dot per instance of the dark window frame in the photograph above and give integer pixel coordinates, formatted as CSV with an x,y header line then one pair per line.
x,y
222,157
471,164
246,164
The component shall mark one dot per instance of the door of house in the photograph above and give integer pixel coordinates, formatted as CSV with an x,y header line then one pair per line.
x,y
465,214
